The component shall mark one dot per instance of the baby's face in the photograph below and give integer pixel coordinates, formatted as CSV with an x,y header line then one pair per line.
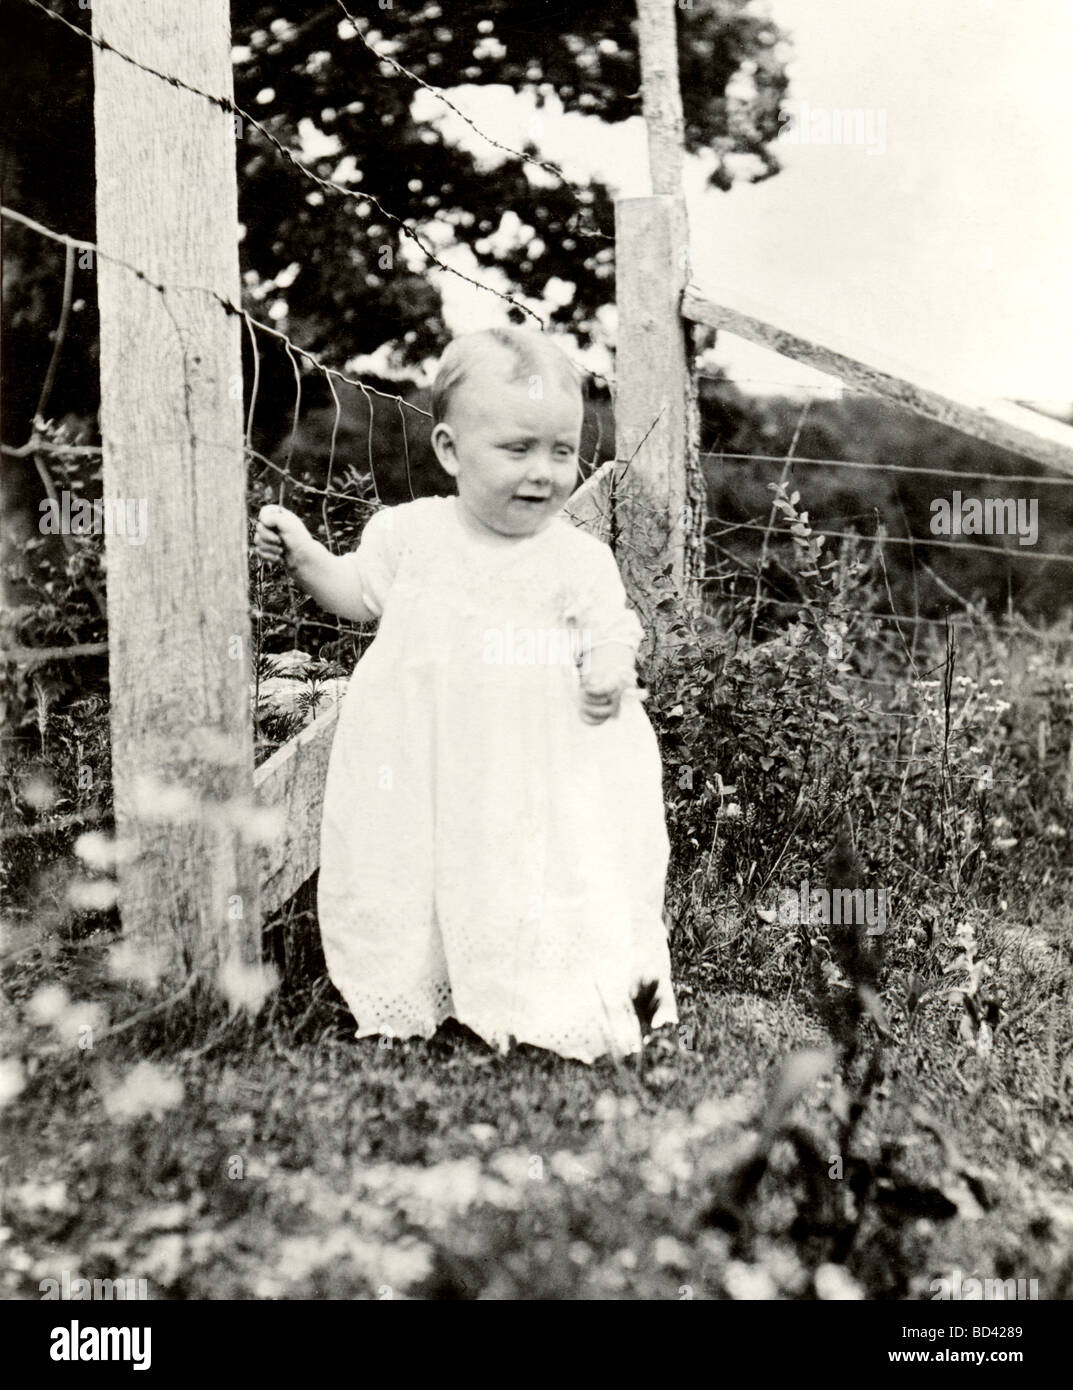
x,y
514,458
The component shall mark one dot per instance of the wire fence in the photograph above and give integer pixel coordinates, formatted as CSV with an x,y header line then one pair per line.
x,y
322,485
306,363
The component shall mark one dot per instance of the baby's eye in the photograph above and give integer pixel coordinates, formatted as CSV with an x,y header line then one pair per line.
x,y
518,448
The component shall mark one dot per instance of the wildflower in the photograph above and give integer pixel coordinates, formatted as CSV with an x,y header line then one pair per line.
x,y
72,1022
146,1089
41,1196
246,986
48,1005
12,1079
95,850
609,1107
668,1251
38,792
834,1284
718,1113
92,894
748,1282
140,962
570,1168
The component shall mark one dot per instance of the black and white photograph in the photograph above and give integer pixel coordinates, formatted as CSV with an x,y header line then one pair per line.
x,y
536,661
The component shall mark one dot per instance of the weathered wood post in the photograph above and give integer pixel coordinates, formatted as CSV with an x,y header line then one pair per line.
x,y
171,421
658,507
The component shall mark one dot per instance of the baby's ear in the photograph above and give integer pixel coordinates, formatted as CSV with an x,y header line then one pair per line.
x,y
443,444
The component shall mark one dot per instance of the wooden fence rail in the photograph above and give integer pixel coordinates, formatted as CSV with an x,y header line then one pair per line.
x,y
1007,426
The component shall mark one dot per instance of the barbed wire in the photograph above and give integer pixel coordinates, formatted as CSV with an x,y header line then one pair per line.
x,y
80,244
442,96
226,105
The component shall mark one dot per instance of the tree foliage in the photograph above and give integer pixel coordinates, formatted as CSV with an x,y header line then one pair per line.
x,y
584,54
347,286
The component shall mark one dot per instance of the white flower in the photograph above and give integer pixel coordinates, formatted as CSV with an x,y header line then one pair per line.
x,y
748,1282
570,1167
609,1107
40,1196
95,850
718,1112
92,895
71,1021
102,852
139,961
246,986
48,1005
668,1251
834,1284
12,1079
146,1089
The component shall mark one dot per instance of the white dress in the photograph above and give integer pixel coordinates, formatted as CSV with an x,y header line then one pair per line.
x,y
486,855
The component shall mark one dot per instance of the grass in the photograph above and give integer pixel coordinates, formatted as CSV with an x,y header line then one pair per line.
x,y
279,1158
820,1124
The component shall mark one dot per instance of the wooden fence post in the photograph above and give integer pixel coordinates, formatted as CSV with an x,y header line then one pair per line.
x,y
658,495
661,94
171,421
658,506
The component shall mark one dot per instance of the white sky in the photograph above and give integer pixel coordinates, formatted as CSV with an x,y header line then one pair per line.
x,y
948,248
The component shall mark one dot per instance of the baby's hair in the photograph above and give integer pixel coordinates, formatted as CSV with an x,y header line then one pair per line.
x,y
529,354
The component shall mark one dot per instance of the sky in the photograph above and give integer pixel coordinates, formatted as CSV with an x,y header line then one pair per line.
x,y
937,233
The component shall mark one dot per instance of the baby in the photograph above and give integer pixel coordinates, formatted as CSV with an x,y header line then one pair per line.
x,y
493,845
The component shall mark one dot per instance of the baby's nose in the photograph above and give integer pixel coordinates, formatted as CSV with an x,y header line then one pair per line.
x,y
539,469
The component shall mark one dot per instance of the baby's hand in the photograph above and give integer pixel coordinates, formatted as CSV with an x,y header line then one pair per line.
x,y
611,671
280,535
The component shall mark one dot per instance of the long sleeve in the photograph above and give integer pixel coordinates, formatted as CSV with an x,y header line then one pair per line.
x,y
376,559
600,610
